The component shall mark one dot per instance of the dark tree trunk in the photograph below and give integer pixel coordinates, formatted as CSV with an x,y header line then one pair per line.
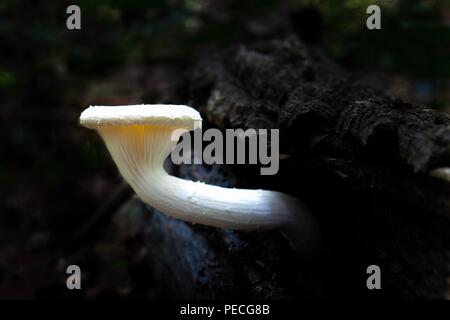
x,y
358,158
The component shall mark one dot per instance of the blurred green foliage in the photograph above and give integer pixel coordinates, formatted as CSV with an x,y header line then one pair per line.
x,y
6,78
414,35
414,38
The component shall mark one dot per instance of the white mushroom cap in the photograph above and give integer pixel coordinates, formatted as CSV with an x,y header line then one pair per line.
x,y
151,114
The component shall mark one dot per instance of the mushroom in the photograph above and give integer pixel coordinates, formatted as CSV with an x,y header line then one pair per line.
x,y
441,173
139,139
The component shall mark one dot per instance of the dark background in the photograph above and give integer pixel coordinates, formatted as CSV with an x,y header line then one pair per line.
x,y
55,175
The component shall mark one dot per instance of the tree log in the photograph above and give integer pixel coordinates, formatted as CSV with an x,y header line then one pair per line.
x,y
358,158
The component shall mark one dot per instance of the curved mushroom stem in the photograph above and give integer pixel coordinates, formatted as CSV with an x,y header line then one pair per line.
x,y
139,152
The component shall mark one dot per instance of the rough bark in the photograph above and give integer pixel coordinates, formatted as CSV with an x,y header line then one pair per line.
x,y
358,158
